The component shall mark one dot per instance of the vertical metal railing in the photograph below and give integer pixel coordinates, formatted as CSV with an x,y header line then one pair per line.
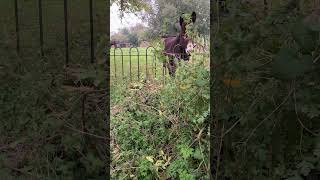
x,y
40,15
91,32
115,62
153,59
135,64
66,32
41,27
138,60
16,14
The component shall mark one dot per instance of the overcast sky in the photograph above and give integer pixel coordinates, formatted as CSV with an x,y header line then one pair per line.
x,y
128,20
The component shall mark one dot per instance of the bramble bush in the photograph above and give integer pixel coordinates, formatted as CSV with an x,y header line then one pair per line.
x,y
269,125
161,130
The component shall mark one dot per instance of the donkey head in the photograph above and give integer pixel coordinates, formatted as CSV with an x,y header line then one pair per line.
x,y
186,44
184,23
184,47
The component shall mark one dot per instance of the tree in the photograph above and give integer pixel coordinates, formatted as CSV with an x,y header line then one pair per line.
x,y
125,31
119,37
131,6
133,39
134,34
164,19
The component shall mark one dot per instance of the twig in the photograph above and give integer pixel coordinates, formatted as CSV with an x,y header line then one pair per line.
x,y
316,59
205,165
219,154
250,108
125,168
197,138
301,133
23,172
68,125
296,111
151,108
94,91
276,109
82,132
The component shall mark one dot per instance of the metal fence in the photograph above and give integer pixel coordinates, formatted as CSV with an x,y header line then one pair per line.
x,y
18,7
145,61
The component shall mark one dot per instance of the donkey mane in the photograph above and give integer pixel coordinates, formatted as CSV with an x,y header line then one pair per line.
x,y
172,44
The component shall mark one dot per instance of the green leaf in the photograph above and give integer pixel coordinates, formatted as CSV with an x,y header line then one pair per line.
x,y
186,151
314,27
316,150
305,167
295,178
311,110
202,82
304,37
197,154
287,65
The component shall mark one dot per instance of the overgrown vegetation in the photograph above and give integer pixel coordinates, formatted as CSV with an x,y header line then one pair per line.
x,y
48,130
160,131
268,127
159,127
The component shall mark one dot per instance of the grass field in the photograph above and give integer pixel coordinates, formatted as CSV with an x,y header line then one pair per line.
x,y
149,63
120,68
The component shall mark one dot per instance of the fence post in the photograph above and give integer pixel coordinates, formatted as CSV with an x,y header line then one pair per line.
x,y
41,27
138,54
138,65
155,65
114,62
66,37
147,59
91,32
122,65
130,64
163,71
17,25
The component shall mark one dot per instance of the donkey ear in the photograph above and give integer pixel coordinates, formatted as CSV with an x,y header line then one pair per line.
x,y
193,16
181,21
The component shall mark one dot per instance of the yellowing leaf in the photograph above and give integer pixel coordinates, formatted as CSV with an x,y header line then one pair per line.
x,y
150,158
184,87
232,83
159,163
161,152
168,161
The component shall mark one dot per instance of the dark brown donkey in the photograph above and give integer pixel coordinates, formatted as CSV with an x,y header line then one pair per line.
x,y
178,46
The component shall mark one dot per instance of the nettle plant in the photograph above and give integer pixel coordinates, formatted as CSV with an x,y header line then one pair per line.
x,y
163,133
191,28
165,136
159,49
269,123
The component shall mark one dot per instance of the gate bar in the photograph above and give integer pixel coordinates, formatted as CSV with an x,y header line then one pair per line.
x,y
91,32
17,25
41,27
66,37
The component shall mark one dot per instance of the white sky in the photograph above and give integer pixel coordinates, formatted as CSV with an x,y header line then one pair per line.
x,y
128,20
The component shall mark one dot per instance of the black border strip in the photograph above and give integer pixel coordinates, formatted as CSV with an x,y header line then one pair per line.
x,y
107,70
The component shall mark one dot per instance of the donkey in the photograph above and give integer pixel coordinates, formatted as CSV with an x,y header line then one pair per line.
x,y
179,46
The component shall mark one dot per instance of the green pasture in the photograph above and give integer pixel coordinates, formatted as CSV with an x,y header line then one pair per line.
x,y
120,65
150,65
